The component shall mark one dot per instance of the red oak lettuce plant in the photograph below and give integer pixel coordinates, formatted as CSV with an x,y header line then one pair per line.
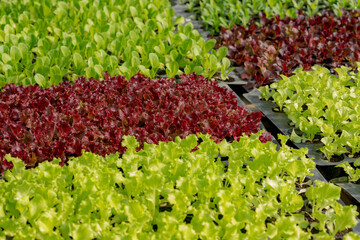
x,y
41,124
281,45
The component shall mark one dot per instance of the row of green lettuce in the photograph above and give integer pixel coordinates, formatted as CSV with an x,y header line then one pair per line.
x,y
46,42
170,191
324,107
225,13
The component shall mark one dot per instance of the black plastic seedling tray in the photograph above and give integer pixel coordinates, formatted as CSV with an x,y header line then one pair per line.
x,y
180,10
234,77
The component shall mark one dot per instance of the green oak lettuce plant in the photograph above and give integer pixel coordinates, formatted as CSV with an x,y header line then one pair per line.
x,y
323,106
46,42
174,191
352,172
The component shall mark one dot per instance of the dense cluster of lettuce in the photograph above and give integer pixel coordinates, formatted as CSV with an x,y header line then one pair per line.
x,y
47,42
41,124
323,106
165,191
224,13
279,46
140,156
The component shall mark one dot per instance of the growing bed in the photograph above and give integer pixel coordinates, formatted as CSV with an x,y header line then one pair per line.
x,y
112,126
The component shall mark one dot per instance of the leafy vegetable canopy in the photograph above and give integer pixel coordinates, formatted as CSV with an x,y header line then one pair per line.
x,y
46,42
225,13
323,106
166,191
40,124
279,46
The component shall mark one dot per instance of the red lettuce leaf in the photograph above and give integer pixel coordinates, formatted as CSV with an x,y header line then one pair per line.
x,y
61,121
